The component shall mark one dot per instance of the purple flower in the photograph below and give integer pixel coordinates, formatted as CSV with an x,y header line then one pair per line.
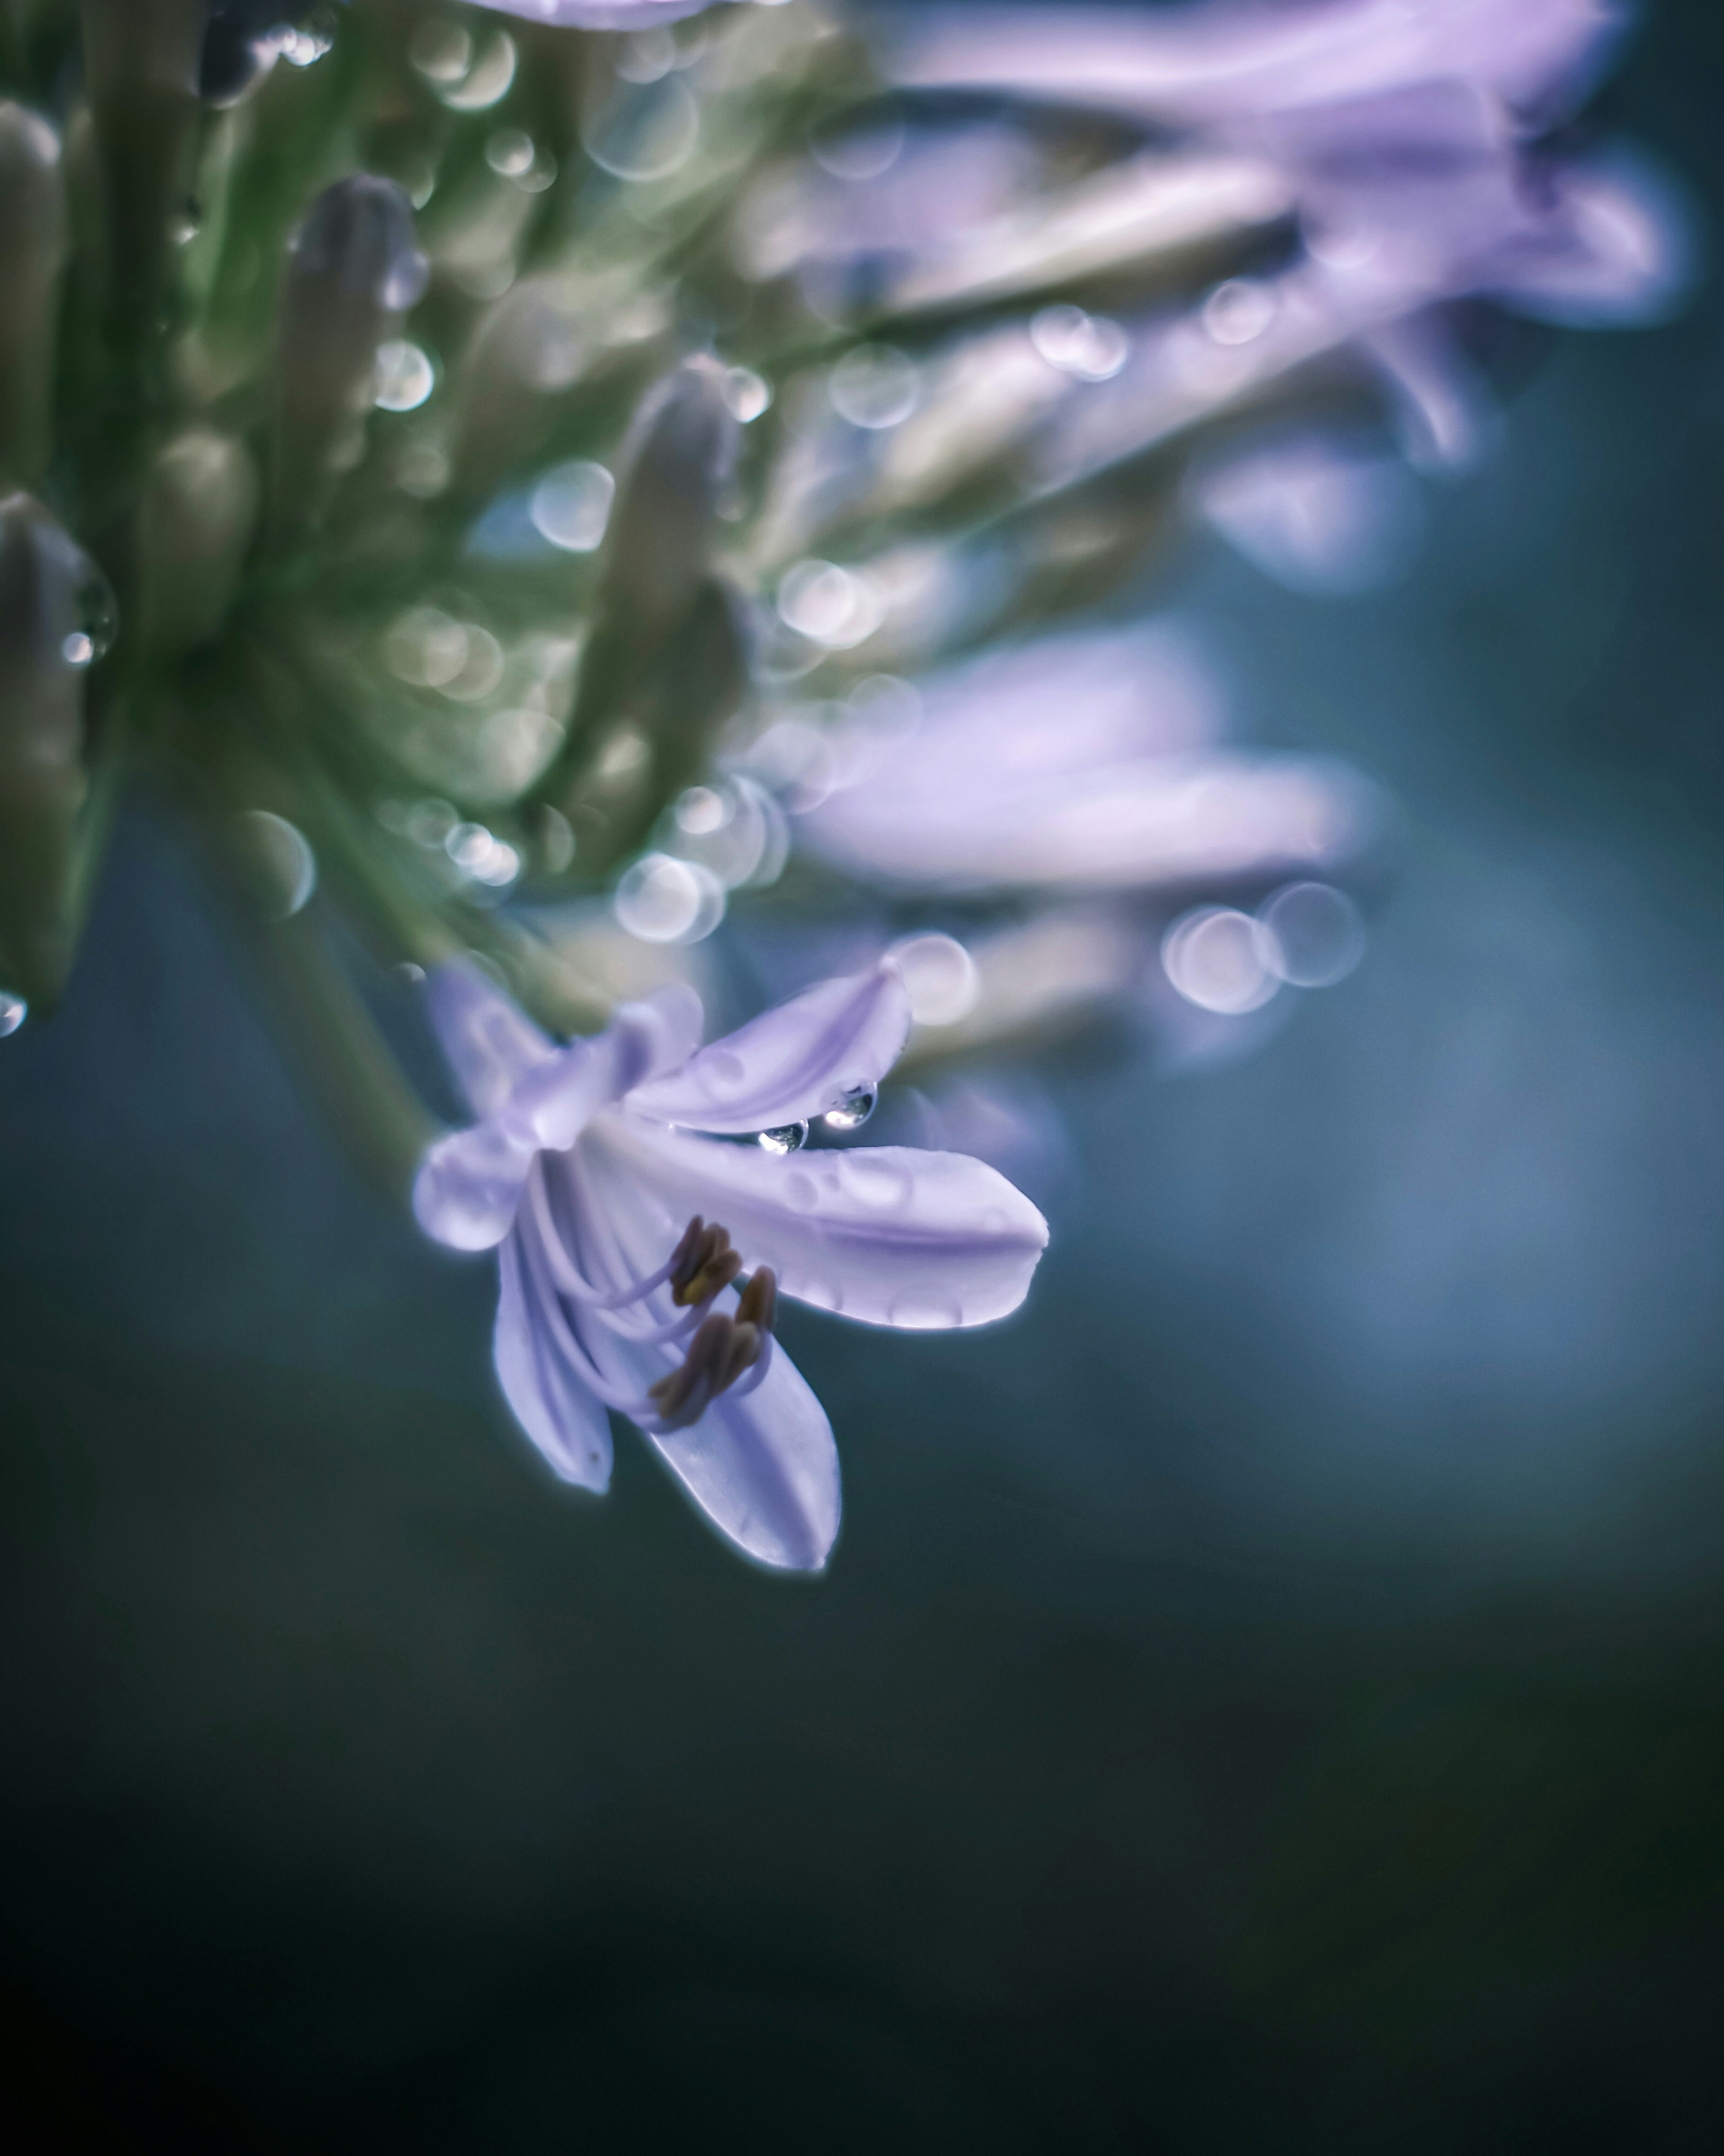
x,y
622,1219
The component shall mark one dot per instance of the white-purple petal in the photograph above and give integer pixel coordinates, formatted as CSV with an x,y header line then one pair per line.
x,y
598,14
919,1240
1219,63
791,1064
550,1400
490,1041
468,1186
764,1470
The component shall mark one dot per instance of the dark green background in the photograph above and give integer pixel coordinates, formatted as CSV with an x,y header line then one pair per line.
x,y
1270,1696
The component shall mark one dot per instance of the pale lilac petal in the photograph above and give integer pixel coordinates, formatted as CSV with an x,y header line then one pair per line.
x,y
1615,246
1129,826
921,1240
761,1465
1318,517
549,1400
791,1064
490,1041
598,14
1220,63
764,1470
553,1102
469,1187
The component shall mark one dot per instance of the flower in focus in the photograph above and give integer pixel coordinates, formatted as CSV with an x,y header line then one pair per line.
x,y
585,1169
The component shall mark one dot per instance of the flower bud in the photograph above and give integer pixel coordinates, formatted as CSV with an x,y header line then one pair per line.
x,y
353,267
141,58
195,520
682,462
51,596
33,254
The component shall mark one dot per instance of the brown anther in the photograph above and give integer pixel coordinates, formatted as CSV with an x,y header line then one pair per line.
x,y
719,1354
702,1263
758,1304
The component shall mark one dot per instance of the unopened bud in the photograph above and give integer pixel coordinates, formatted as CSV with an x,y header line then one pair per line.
x,y
33,254
55,618
195,523
352,270
678,470
140,59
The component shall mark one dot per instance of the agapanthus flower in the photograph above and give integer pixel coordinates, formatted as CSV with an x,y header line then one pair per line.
x,y
624,1180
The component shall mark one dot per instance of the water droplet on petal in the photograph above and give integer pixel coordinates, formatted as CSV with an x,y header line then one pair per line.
x,y
852,1111
788,1137
14,1011
876,1183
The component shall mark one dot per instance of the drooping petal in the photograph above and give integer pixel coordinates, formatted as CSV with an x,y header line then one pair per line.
x,y
920,1240
549,1399
791,1064
468,1186
764,1470
490,1041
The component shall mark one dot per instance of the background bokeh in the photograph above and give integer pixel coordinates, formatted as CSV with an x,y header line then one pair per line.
x,y
1270,1695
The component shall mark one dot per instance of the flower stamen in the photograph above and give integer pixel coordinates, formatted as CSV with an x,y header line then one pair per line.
x,y
720,1352
702,1264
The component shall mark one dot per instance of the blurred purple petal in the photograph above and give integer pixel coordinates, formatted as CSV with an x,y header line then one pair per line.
x,y
490,1041
1216,62
599,14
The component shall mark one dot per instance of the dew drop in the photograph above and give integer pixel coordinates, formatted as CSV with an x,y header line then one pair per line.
x,y
14,1011
801,1191
186,222
876,1184
853,1109
788,1137
98,621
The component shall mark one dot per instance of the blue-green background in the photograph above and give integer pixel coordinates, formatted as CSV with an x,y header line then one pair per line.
x,y
1268,1697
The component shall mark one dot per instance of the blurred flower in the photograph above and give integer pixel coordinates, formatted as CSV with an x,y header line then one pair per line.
x,y
1082,763
585,1164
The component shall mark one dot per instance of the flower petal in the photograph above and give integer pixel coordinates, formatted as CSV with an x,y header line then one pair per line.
x,y
791,1064
885,1234
761,1465
491,1042
550,1402
764,1470
468,1186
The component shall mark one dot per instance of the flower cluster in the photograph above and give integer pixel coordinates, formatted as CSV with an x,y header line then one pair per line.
x,y
556,482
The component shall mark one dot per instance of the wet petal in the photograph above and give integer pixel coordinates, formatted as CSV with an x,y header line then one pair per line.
x,y
550,1402
884,1234
468,1186
791,1064
490,1041
764,1470
553,1101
